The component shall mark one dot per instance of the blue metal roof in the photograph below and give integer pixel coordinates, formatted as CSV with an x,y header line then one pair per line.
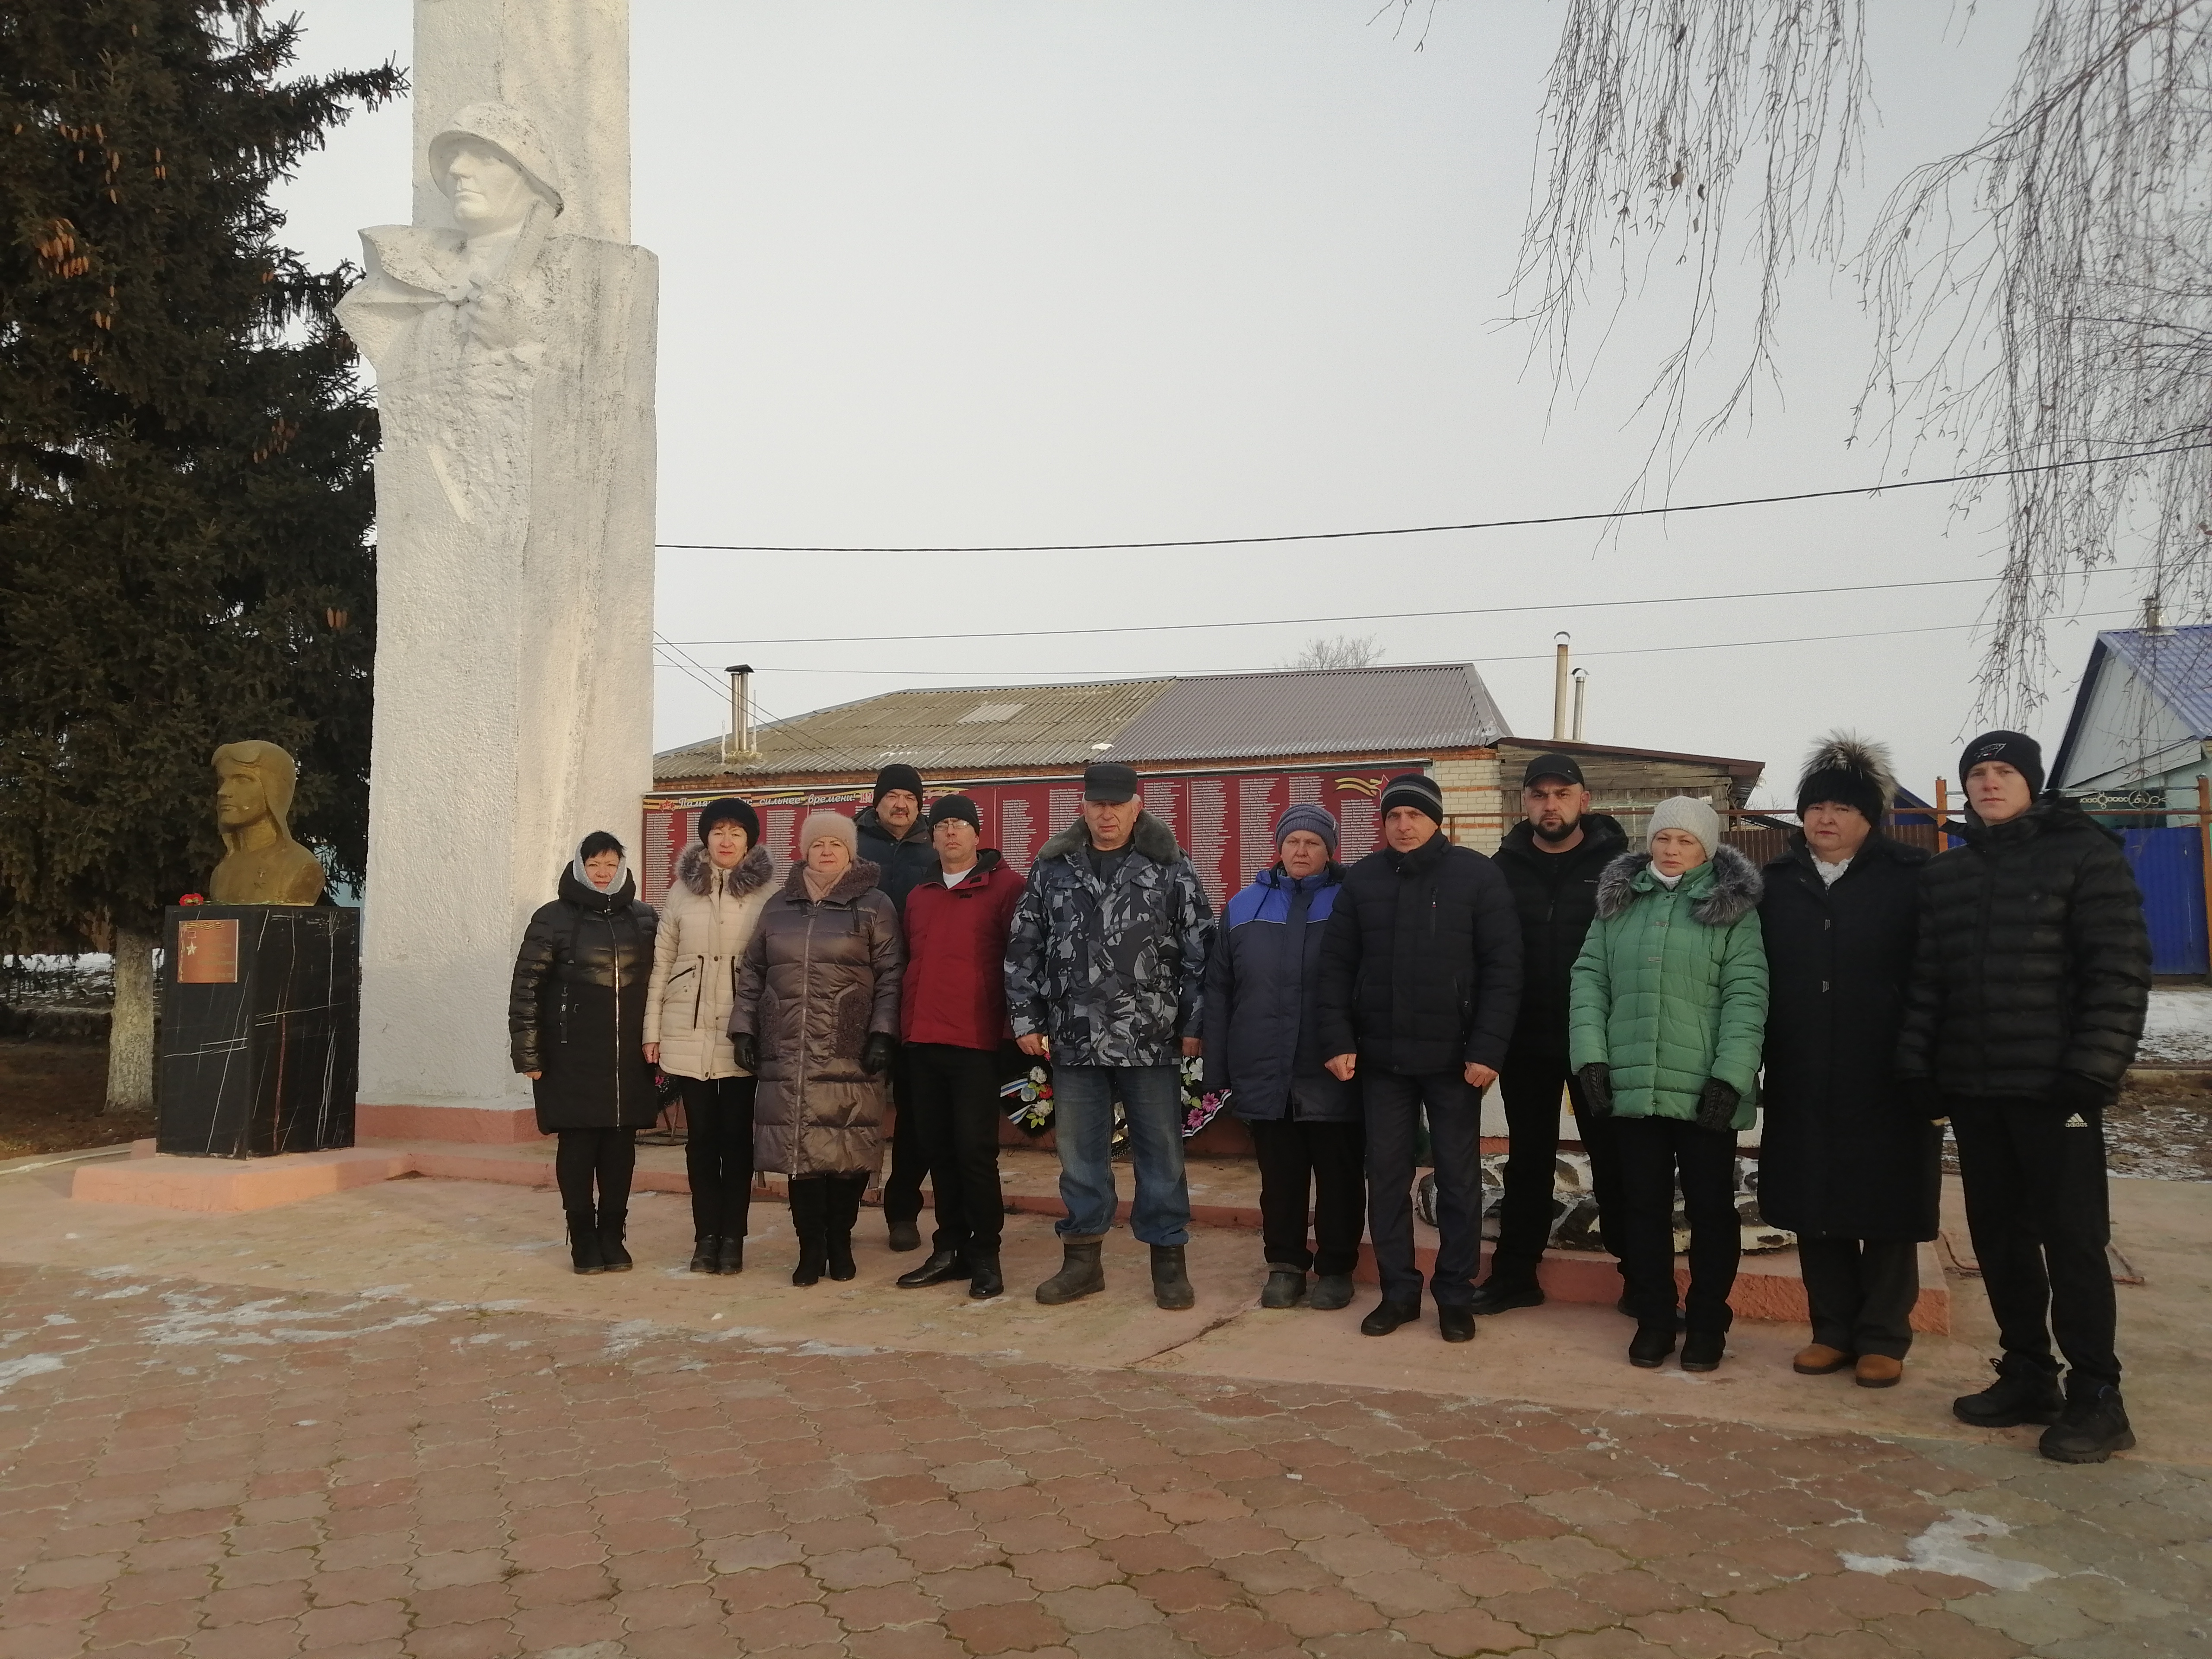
x,y
2173,665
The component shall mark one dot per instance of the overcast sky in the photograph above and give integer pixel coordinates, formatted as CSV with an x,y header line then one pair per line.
x,y
1122,270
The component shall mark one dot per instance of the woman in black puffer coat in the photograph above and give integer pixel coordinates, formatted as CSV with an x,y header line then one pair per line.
x,y
575,1019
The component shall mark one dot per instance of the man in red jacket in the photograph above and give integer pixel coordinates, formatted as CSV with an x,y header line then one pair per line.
x,y
952,1019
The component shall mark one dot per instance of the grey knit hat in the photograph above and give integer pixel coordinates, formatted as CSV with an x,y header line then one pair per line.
x,y
1310,815
1686,812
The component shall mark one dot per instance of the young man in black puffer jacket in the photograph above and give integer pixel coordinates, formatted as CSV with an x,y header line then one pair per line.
x,y
1421,980
2029,988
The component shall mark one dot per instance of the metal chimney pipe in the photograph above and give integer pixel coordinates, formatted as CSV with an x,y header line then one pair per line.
x,y
740,744
1582,687
1559,689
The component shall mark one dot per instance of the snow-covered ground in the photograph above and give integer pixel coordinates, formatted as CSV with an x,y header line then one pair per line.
x,y
2179,1029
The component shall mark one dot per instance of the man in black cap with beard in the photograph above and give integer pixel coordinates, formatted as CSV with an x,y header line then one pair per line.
x,y
896,840
1551,861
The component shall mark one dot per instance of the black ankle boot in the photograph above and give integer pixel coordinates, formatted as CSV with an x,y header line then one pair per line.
x,y
1651,1345
703,1250
583,1242
2024,1392
844,1202
810,1220
985,1280
730,1253
2094,1426
612,1226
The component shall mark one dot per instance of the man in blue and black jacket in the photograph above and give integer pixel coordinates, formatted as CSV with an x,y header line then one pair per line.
x,y
1263,1045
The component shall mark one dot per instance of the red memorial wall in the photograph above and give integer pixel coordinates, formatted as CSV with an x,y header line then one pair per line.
x,y
1222,819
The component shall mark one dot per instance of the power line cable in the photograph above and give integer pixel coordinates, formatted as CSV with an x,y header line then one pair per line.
x,y
1371,616
1613,515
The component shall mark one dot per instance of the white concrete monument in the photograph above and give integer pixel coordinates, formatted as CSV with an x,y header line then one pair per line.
x,y
511,331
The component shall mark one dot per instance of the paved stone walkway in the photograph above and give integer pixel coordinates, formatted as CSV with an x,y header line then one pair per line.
x,y
200,1470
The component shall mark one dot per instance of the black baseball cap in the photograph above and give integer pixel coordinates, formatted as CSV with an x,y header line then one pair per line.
x,y
1551,766
1110,781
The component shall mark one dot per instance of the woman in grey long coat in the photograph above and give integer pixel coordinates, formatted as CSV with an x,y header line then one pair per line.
x,y
817,1011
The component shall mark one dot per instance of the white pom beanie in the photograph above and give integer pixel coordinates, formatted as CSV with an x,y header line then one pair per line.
x,y
1686,812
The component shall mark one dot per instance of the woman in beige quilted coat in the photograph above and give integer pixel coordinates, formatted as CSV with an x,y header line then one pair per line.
x,y
817,1011
721,886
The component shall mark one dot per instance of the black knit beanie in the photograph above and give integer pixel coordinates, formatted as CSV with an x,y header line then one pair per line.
x,y
1416,790
955,806
730,810
2016,750
898,775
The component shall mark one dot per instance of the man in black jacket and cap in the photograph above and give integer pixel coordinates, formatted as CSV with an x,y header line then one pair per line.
x,y
1421,980
2030,983
1551,860
896,840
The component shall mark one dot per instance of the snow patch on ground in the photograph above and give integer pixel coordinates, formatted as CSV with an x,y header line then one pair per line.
x,y
1943,1548
30,1364
2179,1029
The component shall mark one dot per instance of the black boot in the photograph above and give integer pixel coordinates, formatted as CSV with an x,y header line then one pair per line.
x,y
2026,1391
583,1242
1171,1279
942,1268
730,1253
844,1201
1079,1272
984,1279
613,1224
703,1250
1649,1350
2094,1426
1702,1350
1285,1286
1330,1292
810,1220
903,1235
1497,1296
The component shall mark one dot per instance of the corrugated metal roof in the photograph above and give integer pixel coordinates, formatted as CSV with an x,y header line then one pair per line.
x,y
979,728
2174,664
1330,711
1404,710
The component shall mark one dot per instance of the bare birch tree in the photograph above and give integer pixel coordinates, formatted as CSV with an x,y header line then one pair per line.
x,y
2041,297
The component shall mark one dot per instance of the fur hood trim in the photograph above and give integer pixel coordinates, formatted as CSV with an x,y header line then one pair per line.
x,y
753,872
1734,892
1149,836
854,881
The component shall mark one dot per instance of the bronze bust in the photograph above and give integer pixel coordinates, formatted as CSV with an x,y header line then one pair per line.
x,y
264,864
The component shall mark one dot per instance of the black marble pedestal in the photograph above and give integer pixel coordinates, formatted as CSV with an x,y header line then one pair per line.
x,y
260,1029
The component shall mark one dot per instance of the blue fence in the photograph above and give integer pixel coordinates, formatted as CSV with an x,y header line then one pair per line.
x,y
2169,867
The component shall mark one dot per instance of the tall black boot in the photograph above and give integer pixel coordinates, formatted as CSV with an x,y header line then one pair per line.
x,y
613,1222
583,1242
844,1213
810,1220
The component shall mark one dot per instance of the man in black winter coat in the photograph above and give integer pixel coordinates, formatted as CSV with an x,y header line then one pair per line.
x,y
1421,980
1551,860
1843,1163
896,841
2029,988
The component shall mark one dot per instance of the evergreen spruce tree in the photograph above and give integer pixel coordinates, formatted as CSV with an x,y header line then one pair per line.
x,y
184,551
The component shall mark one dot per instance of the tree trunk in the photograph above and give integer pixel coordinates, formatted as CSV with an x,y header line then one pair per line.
x,y
131,1027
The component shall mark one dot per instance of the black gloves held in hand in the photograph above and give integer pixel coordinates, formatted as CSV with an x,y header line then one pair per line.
x,y
875,1054
1717,1105
1597,1079
747,1049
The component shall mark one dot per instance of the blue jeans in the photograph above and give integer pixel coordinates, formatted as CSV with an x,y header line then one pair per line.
x,y
1083,1127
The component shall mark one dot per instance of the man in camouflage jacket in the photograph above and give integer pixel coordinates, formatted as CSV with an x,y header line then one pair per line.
x,y
1106,971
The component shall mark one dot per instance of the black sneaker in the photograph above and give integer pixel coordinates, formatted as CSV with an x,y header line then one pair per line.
x,y
2024,1392
1494,1297
2094,1426
1388,1316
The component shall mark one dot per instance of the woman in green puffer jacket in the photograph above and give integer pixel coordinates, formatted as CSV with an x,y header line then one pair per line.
x,y
1664,1026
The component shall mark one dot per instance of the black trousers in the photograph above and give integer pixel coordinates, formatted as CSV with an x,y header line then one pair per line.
x,y
1861,1291
909,1157
954,1096
606,1156
718,1153
1299,1159
1654,1152
1392,1103
2037,1208
1530,1086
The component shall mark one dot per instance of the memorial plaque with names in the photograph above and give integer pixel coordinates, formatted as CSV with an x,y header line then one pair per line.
x,y
207,952
1223,820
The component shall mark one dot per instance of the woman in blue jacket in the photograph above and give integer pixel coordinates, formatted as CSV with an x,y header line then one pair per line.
x,y
1262,1045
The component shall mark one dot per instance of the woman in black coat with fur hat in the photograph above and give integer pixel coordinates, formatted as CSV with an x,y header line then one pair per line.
x,y
575,1020
1843,1163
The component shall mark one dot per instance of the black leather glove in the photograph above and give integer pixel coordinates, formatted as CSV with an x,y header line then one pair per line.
x,y
1922,1098
1597,1079
2077,1093
1717,1105
875,1054
748,1051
